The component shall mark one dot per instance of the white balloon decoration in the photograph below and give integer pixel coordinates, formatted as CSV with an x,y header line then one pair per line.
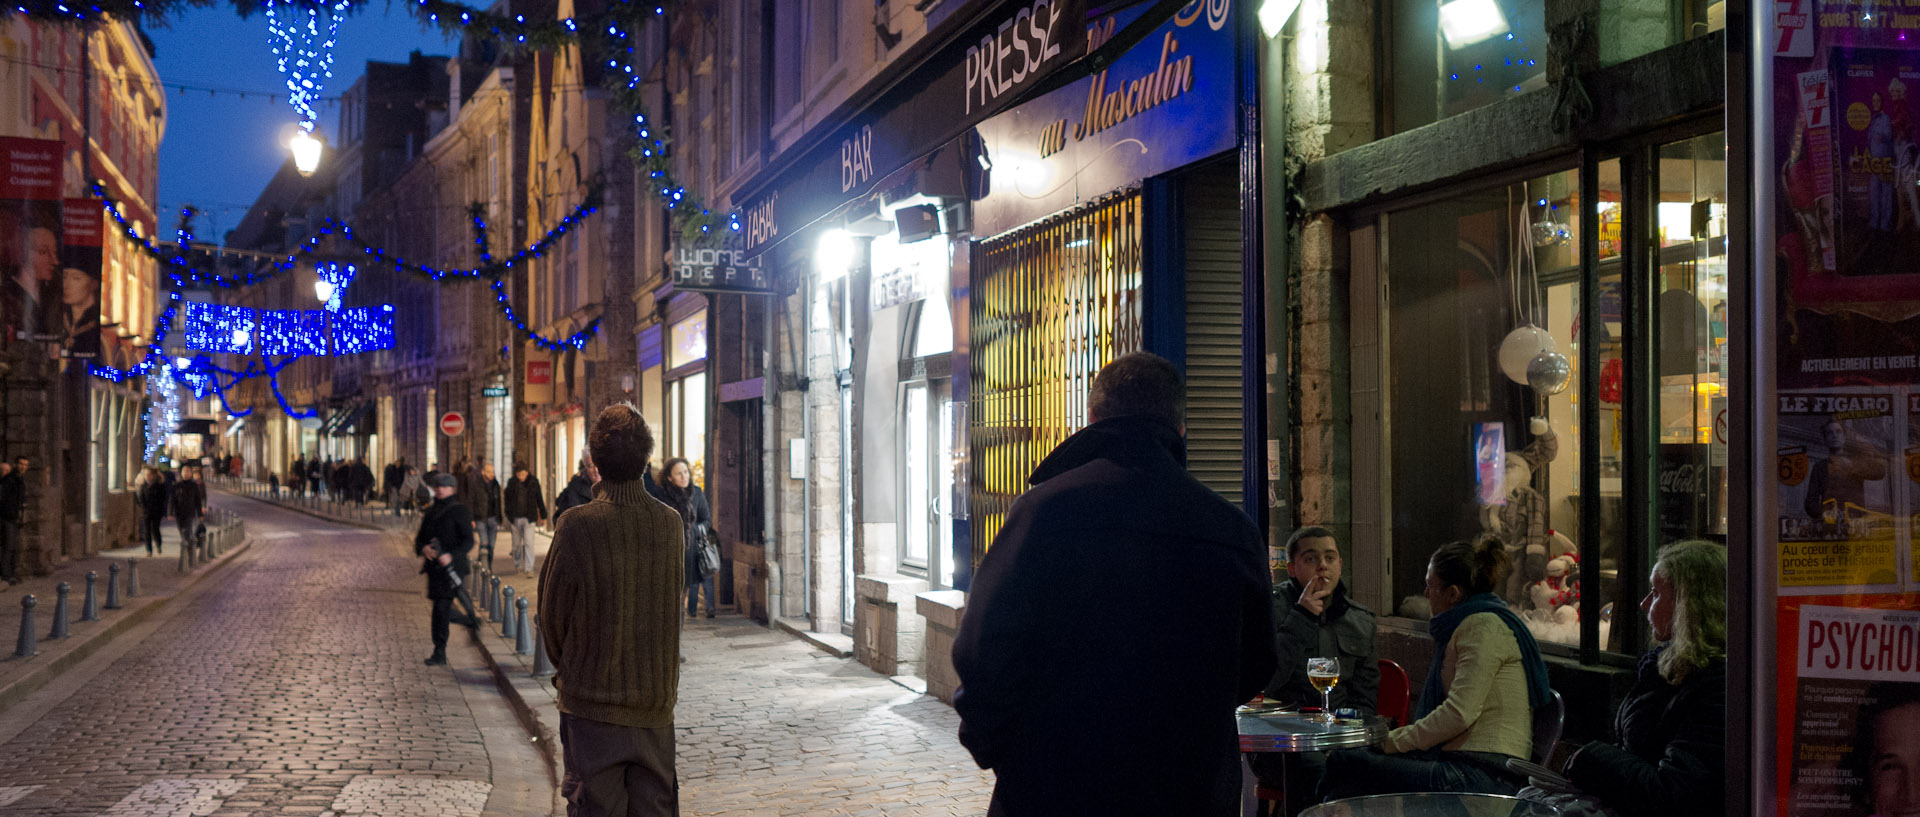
x,y
1521,346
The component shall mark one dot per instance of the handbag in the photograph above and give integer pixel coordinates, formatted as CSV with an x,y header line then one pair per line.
x,y
707,555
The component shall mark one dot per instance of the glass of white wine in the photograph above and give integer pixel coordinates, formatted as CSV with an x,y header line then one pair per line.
x,y
1324,674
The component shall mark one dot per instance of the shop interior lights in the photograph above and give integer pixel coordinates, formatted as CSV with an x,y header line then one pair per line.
x,y
1466,22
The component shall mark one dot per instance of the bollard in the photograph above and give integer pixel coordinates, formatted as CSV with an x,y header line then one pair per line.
x,y
113,586
26,649
542,665
493,597
523,634
60,612
133,578
90,610
506,612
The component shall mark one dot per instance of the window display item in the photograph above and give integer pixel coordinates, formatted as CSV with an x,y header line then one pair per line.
x,y
1522,522
1519,349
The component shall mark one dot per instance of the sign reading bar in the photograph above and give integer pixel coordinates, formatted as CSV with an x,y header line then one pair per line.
x,y
715,269
976,75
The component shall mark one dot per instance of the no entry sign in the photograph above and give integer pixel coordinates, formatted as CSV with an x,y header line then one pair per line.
x,y
451,424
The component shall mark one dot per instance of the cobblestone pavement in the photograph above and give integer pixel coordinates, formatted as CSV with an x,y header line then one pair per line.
x,y
292,685
767,725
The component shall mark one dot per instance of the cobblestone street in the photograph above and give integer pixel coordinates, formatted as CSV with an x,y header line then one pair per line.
x,y
292,685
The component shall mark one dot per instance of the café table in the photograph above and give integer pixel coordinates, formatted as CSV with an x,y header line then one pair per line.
x,y
1292,731
1432,804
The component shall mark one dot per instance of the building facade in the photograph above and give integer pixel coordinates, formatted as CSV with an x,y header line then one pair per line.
x,y
78,104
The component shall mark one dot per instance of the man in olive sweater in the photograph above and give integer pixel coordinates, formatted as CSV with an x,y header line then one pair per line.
x,y
609,611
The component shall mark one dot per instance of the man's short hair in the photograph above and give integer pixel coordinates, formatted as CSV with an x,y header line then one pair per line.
x,y
621,442
1140,384
1303,534
520,465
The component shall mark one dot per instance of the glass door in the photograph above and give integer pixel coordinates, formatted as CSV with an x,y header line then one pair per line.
x,y
926,453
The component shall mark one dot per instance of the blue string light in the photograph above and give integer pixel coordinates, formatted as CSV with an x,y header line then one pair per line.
x,y
577,340
220,328
363,329
333,283
302,54
293,332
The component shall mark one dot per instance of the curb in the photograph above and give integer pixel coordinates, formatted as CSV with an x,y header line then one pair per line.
x,y
820,641
304,512
19,689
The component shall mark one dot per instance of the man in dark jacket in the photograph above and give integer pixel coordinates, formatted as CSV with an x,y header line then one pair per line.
x,y
579,490
481,492
1120,616
297,476
153,509
390,477
189,502
444,540
526,506
1314,618
13,504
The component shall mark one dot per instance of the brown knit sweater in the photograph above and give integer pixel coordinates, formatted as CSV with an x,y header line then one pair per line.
x,y
610,607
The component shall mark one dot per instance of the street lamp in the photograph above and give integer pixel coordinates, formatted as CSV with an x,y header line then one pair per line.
x,y
323,289
306,151
833,256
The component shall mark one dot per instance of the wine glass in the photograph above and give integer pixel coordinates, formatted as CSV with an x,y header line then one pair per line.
x,y
1324,674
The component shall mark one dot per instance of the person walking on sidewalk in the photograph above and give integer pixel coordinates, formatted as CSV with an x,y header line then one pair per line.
x,y
488,513
579,490
696,515
444,540
153,509
525,506
13,506
1117,576
189,503
611,625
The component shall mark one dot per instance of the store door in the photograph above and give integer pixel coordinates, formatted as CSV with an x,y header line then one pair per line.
x,y
926,450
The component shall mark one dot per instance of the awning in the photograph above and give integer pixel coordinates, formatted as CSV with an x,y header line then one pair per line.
x,y
352,420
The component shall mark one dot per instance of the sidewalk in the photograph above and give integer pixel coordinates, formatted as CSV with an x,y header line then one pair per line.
x,y
767,723
160,582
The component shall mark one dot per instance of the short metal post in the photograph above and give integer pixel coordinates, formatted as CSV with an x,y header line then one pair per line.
x,y
523,634
113,586
90,609
506,618
133,578
60,611
542,665
493,597
26,648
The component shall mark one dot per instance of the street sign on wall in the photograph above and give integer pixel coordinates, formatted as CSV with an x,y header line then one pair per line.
x,y
452,423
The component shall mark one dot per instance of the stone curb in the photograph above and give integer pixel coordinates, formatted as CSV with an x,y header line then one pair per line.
x,y
13,692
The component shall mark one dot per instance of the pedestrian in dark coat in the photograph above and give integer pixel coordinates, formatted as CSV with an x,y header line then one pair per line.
x,y
153,509
390,477
444,540
1668,755
13,504
360,481
579,491
696,515
189,502
297,476
1121,614
526,506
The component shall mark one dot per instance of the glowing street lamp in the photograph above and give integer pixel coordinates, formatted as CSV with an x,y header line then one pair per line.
x,y
306,151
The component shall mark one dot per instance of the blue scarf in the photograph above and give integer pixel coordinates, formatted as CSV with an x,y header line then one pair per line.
x,y
1442,626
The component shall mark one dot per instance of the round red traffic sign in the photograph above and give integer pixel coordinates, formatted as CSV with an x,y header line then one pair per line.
x,y
451,424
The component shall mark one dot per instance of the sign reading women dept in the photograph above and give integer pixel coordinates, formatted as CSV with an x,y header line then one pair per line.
x,y
1844,217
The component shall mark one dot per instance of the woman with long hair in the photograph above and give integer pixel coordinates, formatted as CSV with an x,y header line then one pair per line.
x,y
1668,751
1476,710
676,482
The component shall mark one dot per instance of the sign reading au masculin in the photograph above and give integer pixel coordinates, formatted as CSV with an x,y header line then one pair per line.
x,y
718,269
967,80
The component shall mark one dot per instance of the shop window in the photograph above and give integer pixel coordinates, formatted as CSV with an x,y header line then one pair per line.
x,y
1636,457
1451,56
1051,304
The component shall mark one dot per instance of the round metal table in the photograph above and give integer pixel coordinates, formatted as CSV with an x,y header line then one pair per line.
x,y
1432,804
1298,732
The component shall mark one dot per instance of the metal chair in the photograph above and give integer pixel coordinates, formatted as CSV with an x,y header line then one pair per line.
x,y
1547,722
1396,693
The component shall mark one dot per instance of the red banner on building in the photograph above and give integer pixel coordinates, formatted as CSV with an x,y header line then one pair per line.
x,y
30,227
30,169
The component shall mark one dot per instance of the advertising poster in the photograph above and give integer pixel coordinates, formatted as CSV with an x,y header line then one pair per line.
x,y
80,255
30,245
1849,691
1844,220
1837,496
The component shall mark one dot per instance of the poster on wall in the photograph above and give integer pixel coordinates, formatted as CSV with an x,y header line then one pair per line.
x,y
1837,498
80,274
1849,691
30,245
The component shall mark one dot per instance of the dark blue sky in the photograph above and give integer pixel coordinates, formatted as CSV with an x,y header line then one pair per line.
x,y
220,150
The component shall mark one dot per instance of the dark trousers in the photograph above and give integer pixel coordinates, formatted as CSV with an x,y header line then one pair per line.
x,y
9,550
1296,773
189,531
150,527
1360,772
443,617
694,582
617,771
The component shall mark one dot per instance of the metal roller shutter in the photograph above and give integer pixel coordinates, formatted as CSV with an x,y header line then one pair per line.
x,y
1215,430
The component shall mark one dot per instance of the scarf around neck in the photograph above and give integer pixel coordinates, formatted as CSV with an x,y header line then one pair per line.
x,y
1434,693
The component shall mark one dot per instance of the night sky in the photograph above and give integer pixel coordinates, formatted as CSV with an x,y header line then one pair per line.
x,y
220,149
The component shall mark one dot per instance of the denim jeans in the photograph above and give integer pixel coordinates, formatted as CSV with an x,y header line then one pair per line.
x,y
523,544
485,532
694,583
